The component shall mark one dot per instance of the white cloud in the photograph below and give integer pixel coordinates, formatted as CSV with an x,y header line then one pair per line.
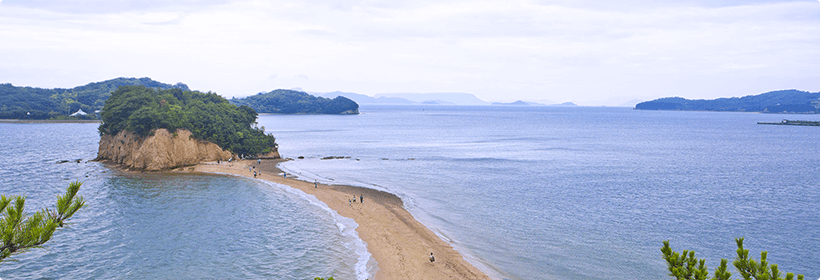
x,y
573,51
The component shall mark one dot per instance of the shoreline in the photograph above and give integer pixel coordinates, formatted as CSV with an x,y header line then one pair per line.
x,y
399,244
47,121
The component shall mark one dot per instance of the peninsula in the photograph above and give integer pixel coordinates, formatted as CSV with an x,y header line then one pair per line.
x,y
400,245
158,129
188,131
783,101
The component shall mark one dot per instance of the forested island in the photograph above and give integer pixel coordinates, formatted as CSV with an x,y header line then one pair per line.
x,y
783,101
31,103
39,103
283,101
141,110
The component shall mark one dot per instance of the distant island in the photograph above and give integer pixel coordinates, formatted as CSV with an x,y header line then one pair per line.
x,y
284,101
157,129
783,101
85,102
39,103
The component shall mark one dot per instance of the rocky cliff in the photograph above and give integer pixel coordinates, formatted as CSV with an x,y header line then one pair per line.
x,y
161,151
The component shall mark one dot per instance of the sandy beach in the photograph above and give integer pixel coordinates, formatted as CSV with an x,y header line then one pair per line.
x,y
400,244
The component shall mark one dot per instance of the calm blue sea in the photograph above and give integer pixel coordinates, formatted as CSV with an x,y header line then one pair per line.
x,y
166,226
521,192
579,193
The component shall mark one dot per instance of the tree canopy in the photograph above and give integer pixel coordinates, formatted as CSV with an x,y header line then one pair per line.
x,y
20,232
208,116
283,101
685,266
39,103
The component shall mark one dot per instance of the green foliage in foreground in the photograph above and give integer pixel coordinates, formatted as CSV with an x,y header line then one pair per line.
x,y
686,266
208,116
20,232
283,101
39,103
320,278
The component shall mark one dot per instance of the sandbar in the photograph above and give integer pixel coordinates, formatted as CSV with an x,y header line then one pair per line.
x,y
400,245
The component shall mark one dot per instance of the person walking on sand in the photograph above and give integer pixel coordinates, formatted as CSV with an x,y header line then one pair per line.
x,y
348,202
361,198
259,161
254,174
432,259
316,184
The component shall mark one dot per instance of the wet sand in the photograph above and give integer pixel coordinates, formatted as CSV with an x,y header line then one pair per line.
x,y
400,244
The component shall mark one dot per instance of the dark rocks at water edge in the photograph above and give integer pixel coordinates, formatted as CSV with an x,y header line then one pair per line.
x,y
66,161
783,101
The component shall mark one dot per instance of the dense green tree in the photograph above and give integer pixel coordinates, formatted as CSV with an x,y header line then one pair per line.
x,y
20,232
283,101
685,266
208,116
38,103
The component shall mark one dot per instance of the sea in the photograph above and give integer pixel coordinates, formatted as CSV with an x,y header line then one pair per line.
x,y
522,192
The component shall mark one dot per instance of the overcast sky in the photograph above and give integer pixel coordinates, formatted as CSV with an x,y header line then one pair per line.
x,y
587,52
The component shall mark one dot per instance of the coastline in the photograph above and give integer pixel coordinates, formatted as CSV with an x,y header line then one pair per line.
x,y
399,244
47,121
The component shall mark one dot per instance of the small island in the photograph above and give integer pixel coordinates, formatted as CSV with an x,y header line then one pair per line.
x,y
284,101
159,129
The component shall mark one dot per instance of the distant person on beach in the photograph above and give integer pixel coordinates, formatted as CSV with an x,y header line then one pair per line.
x,y
259,161
254,174
361,198
348,202
316,184
249,169
432,259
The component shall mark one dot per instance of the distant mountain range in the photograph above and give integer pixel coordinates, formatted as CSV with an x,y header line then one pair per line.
x,y
410,98
446,98
782,101
528,103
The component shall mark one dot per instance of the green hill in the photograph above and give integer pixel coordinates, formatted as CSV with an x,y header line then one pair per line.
x,y
783,101
208,116
39,103
283,101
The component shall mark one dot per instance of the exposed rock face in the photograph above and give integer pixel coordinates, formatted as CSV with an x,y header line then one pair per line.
x,y
271,155
161,151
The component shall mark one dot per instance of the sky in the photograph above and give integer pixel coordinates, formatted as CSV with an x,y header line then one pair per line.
x,y
587,52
